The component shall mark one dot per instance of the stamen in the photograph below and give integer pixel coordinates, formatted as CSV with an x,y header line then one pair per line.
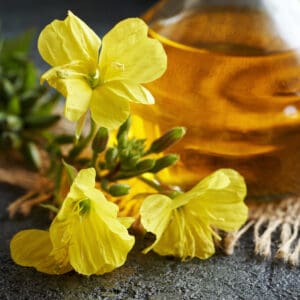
x,y
64,74
94,79
84,206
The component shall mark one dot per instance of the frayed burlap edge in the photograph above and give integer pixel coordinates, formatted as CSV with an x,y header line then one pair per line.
x,y
267,219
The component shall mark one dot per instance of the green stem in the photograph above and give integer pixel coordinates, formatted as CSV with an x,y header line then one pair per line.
x,y
170,191
94,159
152,183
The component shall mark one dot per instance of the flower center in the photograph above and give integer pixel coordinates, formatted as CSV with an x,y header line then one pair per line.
x,y
94,79
84,206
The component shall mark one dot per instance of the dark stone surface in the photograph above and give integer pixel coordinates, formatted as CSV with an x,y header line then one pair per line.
x,y
241,276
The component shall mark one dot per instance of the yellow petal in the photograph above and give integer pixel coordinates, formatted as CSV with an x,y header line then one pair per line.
x,y
155,216
219,200
85,179
129,54
185,237
83,183
62,42
94,242
222,179
109,106
87,232
126,221
79,126
31,248
78,94
61,233
131,91
98,247
76,90
108,208
83,187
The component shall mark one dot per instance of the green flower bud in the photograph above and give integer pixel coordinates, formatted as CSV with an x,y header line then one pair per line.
x,y
168,139
118,189
111,157
8,88
122,134
165,162
145,164
13,123
10,140
129,163
71,171
100,140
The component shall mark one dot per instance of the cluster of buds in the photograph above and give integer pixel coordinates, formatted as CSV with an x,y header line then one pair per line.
x,y
129,157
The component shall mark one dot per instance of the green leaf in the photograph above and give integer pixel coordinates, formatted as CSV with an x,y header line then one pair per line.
x,y
8,88
40,122
48,102
30,76
71,171
13,123
14,106
32,154
63,139
29,100
9,140
20,44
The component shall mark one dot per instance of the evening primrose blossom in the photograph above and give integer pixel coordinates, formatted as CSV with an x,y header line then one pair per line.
x,y
184,226
86,234
105,83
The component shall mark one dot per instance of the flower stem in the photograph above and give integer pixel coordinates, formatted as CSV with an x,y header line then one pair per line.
x,y
168,190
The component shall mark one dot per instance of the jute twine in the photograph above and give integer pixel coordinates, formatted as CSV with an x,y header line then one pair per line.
x,y
276,225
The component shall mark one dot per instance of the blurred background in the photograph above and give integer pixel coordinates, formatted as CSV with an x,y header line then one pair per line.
x,y
19,15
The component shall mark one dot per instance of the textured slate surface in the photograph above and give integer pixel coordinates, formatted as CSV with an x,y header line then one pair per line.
x,y
241,276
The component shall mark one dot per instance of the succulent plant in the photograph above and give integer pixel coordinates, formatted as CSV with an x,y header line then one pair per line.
x,y
26,108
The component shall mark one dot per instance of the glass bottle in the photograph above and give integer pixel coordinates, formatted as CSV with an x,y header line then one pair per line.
x,y
233,80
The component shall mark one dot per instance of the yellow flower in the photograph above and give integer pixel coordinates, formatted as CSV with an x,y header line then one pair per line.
x,y
86,235
104,83
184,226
